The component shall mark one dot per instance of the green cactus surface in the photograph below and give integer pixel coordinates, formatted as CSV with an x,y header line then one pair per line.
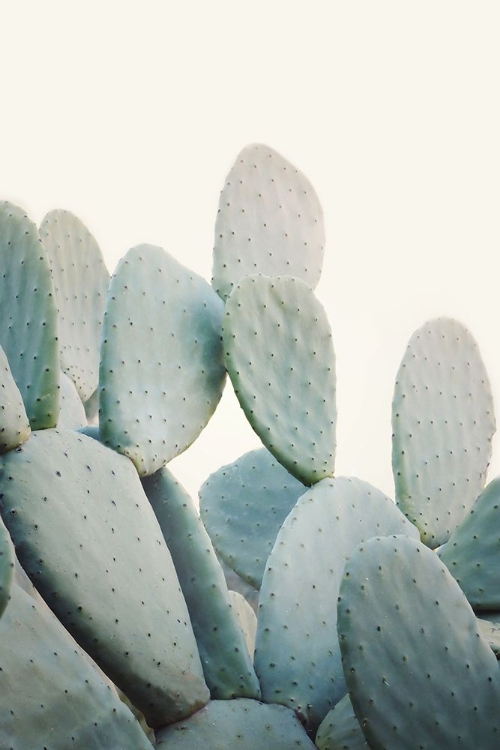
x,y
86,535
297,657
50,695
340,729
247,619
241,723
28,333
443,423
71,412
243,505
226,662
80,284
269,221
472,553
14,423
419,673
280,358
162,371
6,567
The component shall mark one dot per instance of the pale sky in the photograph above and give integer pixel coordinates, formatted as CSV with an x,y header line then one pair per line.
x,y
130,115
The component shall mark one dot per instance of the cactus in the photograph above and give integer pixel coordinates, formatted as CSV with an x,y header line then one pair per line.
x,y
124,626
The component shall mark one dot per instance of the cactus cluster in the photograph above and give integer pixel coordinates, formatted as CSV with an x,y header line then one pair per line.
x,y
294,608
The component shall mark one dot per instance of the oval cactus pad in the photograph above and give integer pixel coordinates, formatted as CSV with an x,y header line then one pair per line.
x,y
14,423
244,724
162,371
443,423
243,506
269,221
280,357
28,312
87,536
80,284
419,673
297,657
6,566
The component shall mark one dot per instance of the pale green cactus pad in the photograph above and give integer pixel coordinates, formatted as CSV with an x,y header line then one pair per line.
x,y
226,662
247,619
340,729
6,567
269,221
489,627
472,553
28,312
443,423
419,673
87,536
280,357
243,506
14,423
80,284
162,371
50,695
72,412
297,657
243,723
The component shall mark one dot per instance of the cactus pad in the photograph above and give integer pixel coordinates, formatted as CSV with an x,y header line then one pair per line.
x,y
242,723
269,221
6,566
87,536
443,423
162,371
80,284
226,662
14,423
243,506
280,358
297,657
340,729
28,312
418,671
72,412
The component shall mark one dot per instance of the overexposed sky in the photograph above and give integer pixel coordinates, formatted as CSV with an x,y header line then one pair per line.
x,y
130,115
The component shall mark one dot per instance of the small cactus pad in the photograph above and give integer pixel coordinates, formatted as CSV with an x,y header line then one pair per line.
x,y
86,535
269,221
14,423
418,671
80,284
340,729
6,566
443,423
472,554
235,583
28,333
72,412
226,662
297,657
280,357
489,627
247,619
243,506
50,695
162,371
243,723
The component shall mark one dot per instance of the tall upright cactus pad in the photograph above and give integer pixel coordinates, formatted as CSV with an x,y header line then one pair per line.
x,y
14,423
243,505
472,554
80,284
28,333
297,657
269,221
280,357
50,695
443,423
226,662
162,371
86,535
6,566
72,412
244,724
418,671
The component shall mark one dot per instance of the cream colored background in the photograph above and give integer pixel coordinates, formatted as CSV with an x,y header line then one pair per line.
x,y
130,115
